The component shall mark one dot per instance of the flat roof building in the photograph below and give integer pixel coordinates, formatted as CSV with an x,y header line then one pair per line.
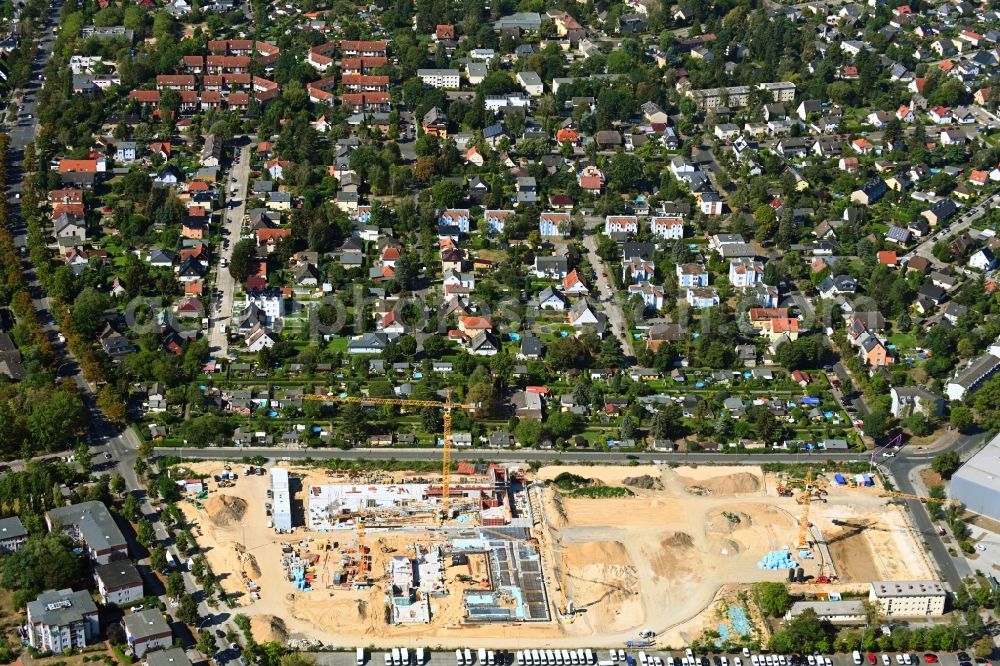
x,y
909,598
281,510
90,524
835,612
60,620
12,534
977,483
147,631
171,657
119,583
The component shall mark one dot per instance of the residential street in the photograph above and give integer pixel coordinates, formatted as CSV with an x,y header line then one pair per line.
x,y
221,309
965,220
616,318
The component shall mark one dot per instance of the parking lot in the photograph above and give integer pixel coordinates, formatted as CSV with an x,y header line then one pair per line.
x,y
603,658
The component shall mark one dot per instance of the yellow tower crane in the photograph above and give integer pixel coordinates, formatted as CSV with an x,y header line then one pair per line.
x,y
447,405
805,499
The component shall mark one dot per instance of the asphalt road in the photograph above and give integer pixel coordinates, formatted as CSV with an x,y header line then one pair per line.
x,y
965,220
901,469
221,310
616,318
499,455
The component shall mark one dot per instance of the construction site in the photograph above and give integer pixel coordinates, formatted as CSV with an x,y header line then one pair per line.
x,y
376,559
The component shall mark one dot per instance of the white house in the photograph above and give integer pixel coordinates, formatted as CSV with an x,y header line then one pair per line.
x,y
496,220
269,301
983,260
458,217
531,82
745,272
692,275
554,224
651,294
907,400
702,297
440,78
670,227
622,224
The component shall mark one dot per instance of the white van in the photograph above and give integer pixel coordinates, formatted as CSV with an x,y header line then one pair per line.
x,y
588,656
520,658
642,658
491,657
857,658
420,656
468,657
458,658
404,656
482,656
388,659
361,657
396,658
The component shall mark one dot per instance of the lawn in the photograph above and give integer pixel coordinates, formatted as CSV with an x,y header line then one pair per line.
x,y
903,341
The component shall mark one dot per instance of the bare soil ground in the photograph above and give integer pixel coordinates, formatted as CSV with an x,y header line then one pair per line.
x,y
659,560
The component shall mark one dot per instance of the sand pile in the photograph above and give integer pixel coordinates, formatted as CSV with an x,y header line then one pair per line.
x,y
645,482
602,579
607,553
268,628
731,484
224,510
672,558
247,561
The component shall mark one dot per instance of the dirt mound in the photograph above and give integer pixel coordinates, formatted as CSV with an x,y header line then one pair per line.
x,y
645,482
732,484
268,628
224,510
557,516
247,561
677,540
579,555
727,522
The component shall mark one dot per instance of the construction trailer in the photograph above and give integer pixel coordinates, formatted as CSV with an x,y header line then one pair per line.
x,y
282,501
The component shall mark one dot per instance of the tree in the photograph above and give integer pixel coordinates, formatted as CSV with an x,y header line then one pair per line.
x,y
946,463
131,509
610,354
206,643
876,423
81,454
297,659
57,420
118,484
772,598
244,254
88,311
187,609
983,648
961,417
144,533
43,563
175,585
802,634
158,558
766,222
627,429
624,172
528,432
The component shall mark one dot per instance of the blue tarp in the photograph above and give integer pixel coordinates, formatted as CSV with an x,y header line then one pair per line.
x,y
839,479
